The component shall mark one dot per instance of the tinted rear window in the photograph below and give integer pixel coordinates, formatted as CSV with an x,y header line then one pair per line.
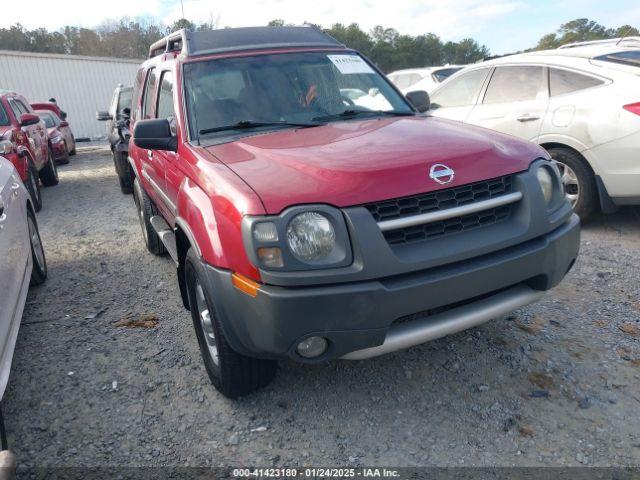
x,y
564,81
445,73
627,57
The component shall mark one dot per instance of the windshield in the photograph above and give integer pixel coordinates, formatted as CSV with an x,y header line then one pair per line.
x,y
293,87
48,119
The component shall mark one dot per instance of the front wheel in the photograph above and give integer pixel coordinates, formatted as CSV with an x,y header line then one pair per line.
x,y
146,209
231,373
39,271
49,174
578,180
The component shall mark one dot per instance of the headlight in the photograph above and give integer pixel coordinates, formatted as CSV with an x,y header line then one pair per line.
x,y
56,139
311,237
306,237
6,147
546,183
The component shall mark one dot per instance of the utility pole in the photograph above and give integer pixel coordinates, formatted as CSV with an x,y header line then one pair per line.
x,y
182,7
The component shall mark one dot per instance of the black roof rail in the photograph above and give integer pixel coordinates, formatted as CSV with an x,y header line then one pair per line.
x,y
190,43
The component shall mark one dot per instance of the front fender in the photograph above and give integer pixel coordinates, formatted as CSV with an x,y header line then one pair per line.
x,y
212,225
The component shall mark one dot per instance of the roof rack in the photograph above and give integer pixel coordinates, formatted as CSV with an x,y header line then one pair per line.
x,y
189,43
616,41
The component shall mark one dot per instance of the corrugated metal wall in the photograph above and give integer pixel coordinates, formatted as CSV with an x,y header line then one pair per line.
x,y
81,85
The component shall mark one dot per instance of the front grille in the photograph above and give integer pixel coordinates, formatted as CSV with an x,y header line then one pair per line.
x,y
443,200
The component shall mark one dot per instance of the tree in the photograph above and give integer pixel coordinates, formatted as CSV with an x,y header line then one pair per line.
x,y
581,30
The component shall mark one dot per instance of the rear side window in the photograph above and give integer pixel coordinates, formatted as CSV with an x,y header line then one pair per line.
x,y
461,91
135,96
563,81
515,84
149,90
627,57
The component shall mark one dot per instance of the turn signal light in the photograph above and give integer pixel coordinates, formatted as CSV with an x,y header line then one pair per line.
x,y
633,108
245,284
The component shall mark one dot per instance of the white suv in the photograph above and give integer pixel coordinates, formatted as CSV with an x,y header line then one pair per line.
x,y
581,102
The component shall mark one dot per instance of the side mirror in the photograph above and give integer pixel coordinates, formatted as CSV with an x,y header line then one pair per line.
x,y
103,116
373,92
420,100
155,135
27,119
63,115
126,112
64,123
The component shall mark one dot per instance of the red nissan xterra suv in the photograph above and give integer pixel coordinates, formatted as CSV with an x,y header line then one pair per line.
x,y
313,212
24,141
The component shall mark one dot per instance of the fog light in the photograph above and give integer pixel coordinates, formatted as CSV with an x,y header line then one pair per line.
x,y
270,257
312,347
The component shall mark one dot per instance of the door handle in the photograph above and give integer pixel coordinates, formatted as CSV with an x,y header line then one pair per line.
x,y
527,118
15,189
3,216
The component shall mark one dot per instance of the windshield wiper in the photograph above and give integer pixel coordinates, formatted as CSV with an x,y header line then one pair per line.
x,y
245,124
353,113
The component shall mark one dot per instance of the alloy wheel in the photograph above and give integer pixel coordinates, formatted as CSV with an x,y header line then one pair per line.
x,y
570,182
204,315
36,244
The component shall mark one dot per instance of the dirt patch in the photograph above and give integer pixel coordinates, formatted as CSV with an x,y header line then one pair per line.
x,y
143,321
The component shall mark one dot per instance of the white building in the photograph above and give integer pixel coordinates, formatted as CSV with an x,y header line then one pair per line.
x,y
81,85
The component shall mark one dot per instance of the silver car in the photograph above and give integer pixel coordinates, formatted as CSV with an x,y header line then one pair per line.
x,y
22,262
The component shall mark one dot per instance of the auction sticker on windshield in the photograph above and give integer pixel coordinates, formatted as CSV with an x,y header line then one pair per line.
x,y
348,64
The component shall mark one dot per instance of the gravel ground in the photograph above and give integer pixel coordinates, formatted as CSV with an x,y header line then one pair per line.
x,y
557,383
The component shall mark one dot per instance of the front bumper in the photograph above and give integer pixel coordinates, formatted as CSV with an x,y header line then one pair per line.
x,y
59,150
360,315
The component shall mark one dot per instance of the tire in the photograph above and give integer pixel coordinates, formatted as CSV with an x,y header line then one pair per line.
x,y
39,271
73,152
124,175
32,183
65,158
231,373
146,209
579,181
49,174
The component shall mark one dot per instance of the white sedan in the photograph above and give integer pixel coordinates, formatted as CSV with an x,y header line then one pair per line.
x,y
581,102
22,262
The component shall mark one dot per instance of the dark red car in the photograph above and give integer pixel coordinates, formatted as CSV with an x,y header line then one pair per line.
x,y
307,225
60,136
25,142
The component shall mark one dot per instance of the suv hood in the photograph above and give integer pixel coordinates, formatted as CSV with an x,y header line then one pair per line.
x,y
354,162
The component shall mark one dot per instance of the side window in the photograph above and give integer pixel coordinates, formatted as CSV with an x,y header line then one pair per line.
x,y
564,81
23,107
165,108
403,81
4,118
461,91
135,96
15,108
515,84
149,90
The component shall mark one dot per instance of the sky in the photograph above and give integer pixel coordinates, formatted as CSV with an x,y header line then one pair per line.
x,y
503,25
